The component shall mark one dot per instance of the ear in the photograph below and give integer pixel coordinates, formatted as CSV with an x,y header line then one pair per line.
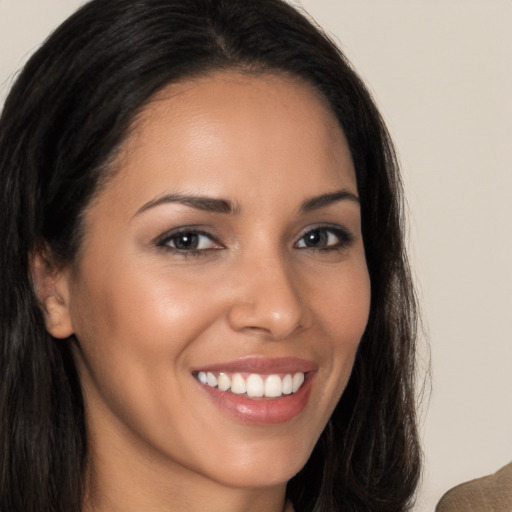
x,y
51,287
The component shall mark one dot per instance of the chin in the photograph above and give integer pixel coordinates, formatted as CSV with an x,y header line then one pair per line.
x,y
269,475
263,466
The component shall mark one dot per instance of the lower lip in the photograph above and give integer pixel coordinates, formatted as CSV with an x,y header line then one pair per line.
x,y
261,411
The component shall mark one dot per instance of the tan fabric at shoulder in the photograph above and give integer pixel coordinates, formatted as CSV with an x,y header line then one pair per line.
x,y
491,493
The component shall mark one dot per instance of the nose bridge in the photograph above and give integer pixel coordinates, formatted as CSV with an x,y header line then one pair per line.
x,y
268,297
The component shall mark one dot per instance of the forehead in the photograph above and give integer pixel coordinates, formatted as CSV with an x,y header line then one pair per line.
x,y
228,131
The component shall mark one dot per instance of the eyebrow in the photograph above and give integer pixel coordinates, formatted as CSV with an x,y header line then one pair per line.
x,y
208,204
325,200
218,205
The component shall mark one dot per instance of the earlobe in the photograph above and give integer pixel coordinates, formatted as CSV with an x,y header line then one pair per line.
x,y
51,287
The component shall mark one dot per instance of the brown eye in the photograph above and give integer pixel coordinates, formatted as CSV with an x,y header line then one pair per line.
x,y
189,241
316,238
324,238
186,241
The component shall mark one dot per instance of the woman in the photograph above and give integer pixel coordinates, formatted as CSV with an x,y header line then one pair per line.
x,y
209,301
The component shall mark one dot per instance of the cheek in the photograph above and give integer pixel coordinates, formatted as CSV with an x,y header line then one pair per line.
x,y
343,308
134,328
140,309
343,304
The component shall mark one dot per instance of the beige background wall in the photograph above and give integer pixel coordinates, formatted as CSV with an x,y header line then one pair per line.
x,y
441,72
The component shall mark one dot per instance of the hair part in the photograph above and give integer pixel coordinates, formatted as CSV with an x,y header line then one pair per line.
x,y
61,129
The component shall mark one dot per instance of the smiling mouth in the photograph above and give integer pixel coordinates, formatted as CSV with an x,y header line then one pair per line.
x,y
259,390
253,385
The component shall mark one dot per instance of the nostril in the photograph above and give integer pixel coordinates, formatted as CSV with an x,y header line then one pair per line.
x,y
269,303
263,321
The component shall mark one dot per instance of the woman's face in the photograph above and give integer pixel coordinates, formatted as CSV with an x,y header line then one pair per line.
x,y
226,249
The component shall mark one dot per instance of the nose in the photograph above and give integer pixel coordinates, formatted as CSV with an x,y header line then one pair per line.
x,y
268,301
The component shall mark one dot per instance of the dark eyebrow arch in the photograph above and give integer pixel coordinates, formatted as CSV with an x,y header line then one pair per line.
x,y
209,204
327,199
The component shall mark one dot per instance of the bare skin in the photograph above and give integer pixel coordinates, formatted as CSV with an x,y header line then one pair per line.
x,y
273,269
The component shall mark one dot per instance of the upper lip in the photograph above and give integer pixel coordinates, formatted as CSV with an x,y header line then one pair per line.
x,y
263,365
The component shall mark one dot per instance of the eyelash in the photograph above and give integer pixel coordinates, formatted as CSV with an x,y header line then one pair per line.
x,y
344,239
167,239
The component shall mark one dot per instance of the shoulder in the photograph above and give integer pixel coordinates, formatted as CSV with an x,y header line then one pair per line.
x,y
492,493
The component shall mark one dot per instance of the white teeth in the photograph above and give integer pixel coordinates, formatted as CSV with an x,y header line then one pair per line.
x,y
287,384
238,385
224,382
211,379
273,386
298,379
255,385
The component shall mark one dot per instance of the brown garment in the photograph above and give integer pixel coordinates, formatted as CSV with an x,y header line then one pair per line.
x,y
491,493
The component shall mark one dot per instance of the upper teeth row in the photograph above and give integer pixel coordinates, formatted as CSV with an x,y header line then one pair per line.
x,y
254,385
